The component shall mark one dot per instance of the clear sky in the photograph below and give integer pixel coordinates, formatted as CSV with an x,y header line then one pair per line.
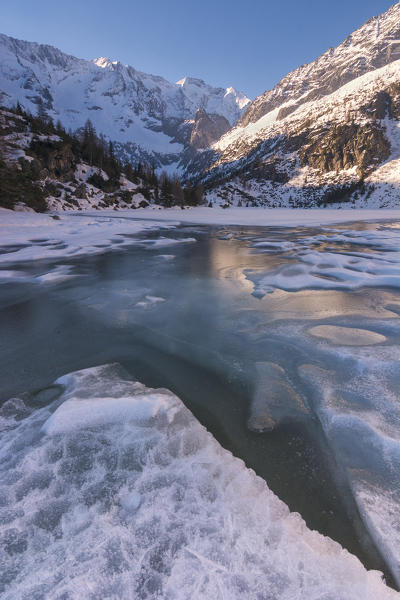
x,y
249,44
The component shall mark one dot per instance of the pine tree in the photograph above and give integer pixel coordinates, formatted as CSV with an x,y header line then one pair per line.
x,y
177,192
166,197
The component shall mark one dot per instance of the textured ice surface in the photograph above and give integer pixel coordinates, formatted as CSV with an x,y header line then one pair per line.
x,y
361,419
347,336
163,241
32,236
149,301
116,491
337,260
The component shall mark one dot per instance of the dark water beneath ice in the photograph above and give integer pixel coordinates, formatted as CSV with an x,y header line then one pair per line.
x,y
194,318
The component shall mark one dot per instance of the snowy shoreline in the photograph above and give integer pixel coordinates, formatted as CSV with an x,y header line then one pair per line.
x,y
30,236
263,217
26,236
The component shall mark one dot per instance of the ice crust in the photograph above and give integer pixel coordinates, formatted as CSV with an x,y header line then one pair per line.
x,y
32,236
337,262
149,301
115,490
361,420
26,237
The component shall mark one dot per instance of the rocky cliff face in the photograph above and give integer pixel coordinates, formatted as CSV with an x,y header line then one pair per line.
x,y
345,146
207,129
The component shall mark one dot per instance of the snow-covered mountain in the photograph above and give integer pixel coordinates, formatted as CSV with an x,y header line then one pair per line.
x,y
147,116
328,131
374,45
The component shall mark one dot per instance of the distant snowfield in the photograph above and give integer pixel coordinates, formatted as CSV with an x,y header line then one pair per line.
x,y
267,216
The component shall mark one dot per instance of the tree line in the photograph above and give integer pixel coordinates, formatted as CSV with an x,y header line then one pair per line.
x,y
89,147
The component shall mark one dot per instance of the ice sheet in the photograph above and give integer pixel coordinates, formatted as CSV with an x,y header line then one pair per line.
x,y
347,336
116,491
343,261
32,236
361,418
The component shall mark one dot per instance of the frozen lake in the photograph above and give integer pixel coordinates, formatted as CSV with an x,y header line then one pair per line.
x,y
282,342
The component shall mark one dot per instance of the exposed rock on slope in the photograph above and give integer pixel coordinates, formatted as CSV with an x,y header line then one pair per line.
x,y
207,129
343,147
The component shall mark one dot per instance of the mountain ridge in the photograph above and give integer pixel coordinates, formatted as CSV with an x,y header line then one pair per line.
x,y
147,116
358,54
328,132
315,139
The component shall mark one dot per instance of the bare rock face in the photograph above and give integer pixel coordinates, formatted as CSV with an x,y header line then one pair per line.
x,y
61,163
207,129
346,146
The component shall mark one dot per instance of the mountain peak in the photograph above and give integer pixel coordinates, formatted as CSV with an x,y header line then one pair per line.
x,y
105,63
186,81
147,117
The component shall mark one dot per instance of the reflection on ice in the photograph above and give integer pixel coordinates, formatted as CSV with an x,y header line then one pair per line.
x,y
347,336
114,490
333,261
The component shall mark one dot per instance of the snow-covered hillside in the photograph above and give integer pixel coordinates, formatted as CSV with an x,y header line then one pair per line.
x,y
374,45
148,116
42,167
327,133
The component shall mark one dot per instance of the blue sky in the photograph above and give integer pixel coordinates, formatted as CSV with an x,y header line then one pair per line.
x,y
249,45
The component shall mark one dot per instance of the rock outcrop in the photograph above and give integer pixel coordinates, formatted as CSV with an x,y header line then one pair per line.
x,y
207,129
